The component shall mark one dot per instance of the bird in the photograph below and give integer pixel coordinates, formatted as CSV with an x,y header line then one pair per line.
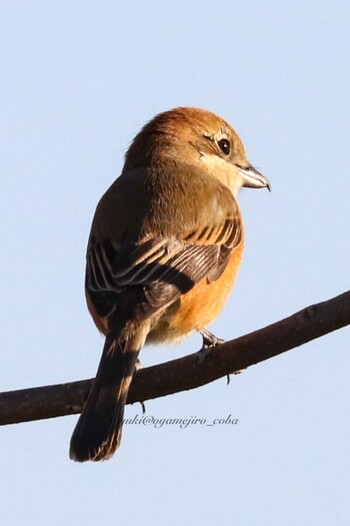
x,y
164,250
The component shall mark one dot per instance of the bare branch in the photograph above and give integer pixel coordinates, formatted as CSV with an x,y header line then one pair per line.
x,y
189,372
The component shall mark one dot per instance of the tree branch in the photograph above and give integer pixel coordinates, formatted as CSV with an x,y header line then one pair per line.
x,y
188,372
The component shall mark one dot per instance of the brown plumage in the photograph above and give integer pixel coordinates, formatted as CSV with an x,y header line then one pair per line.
x,y
165,247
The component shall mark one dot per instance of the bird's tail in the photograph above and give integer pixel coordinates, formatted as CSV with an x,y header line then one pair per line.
x,y
98,431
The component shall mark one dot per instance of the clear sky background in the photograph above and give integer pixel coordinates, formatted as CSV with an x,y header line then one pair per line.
x,y
78,80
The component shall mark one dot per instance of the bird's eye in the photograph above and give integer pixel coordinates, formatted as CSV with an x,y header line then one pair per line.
x,y
224,146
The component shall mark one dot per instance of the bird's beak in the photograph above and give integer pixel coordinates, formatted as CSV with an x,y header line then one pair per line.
x,y
252,178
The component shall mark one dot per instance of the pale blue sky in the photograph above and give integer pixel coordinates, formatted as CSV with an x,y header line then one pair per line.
x,y
78,80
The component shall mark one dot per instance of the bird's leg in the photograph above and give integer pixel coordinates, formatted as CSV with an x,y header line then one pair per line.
x,y
138,366
209,339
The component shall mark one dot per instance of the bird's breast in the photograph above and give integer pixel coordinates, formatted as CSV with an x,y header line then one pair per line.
x,y
197,308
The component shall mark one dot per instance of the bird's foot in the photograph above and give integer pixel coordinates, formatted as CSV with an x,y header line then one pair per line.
x,y
138,366
240,371
209,339
209,342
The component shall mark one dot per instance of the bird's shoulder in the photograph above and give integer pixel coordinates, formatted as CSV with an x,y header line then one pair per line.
x,y
158,239
171,200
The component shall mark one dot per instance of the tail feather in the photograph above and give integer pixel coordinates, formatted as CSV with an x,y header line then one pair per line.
x,y
98,431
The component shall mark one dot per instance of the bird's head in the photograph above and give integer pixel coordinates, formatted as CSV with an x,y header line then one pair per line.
x,y
194,136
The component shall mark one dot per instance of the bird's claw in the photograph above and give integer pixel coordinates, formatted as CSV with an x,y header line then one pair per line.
x,y
209,339
138,366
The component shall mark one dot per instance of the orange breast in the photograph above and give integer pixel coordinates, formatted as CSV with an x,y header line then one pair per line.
x,y
195,310
199,307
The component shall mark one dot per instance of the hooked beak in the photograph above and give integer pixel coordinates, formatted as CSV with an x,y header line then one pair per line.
x,y
252,178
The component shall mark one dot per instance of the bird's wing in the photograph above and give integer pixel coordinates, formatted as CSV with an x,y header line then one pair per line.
x,y
143,277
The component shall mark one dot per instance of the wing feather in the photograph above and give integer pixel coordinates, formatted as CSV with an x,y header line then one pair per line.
x,y
144,276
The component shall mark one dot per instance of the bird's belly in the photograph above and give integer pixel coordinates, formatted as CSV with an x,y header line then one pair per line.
x,y
198,307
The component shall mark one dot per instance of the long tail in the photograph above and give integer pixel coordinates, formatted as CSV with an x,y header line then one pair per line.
x,y
98,431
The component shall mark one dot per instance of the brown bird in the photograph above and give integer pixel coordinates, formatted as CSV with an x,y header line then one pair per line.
x,y
164,250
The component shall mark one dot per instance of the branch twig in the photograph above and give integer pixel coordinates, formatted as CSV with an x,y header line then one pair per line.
x,y
188,372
